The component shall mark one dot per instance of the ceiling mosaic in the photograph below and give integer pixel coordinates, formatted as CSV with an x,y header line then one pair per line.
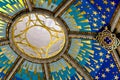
x,y
59,40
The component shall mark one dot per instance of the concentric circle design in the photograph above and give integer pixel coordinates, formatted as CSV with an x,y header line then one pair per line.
x,y
38,35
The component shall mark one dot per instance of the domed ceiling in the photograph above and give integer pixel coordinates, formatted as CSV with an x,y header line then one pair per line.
x,y
59,39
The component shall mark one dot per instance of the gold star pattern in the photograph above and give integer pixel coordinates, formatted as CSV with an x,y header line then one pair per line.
x,y
103,75
95,19
103,16
107,56
92,1
97,66
94,24
100,54
107,70
94,12
112,3
99,7
108,9
103,22
101,60
116,77
105,2
112,65
96,77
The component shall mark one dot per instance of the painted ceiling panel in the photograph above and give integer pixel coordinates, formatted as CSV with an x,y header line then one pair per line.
x,y
108,69
85,15
11,7
3,26
47,4
62,70
81,50
76,19
90,55
7,59
80,16
29,71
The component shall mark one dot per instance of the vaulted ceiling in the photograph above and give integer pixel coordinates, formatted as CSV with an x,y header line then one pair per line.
x,y
89,47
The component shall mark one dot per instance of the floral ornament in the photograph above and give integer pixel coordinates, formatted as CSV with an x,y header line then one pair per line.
x,y
108,40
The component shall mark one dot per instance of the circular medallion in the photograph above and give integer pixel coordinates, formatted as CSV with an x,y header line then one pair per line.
x,y
108,40
38,35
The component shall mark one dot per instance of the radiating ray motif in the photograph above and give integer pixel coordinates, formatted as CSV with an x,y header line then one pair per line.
x,y
61,70
76,19
11,7
88,15
7,58
81,16
47,4
89,54
81,50
3,26
29,71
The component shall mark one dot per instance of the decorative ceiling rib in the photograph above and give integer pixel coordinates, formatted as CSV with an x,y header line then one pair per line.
x,y
84,57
